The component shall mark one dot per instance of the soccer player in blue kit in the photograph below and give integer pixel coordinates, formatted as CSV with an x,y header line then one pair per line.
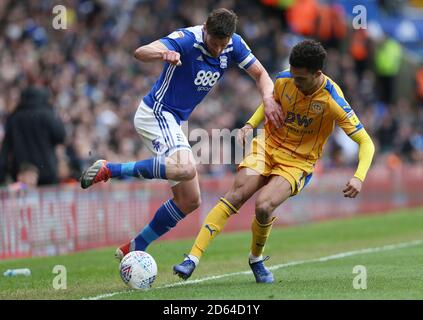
x,y
195,58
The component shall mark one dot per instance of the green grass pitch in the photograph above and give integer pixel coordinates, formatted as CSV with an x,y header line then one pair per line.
x,y
311,261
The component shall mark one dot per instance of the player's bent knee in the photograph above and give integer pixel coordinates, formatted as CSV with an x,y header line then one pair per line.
x,y
195,204
185,172
264,208
189,171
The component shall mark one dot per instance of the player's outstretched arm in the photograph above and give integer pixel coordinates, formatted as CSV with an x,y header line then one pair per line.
x,y
272,109
365,157
157,51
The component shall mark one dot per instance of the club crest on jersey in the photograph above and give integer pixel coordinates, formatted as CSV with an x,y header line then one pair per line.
x,y
316,107
223,62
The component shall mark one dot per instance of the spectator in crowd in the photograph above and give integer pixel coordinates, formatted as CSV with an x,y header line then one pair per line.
x,y
31,134
387,133
388,58
359,48
27,178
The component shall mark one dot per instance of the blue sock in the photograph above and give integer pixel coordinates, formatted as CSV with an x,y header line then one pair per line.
x,y
153,168
165,219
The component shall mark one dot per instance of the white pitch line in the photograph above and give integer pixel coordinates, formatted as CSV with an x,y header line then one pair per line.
x,y
340,255
106,295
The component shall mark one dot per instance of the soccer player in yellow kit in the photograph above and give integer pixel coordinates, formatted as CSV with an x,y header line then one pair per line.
x,y
282,160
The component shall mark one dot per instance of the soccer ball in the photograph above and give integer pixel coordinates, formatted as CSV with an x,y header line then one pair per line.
x,y
138,270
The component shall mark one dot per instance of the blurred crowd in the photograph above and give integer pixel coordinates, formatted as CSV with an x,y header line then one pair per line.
x,y
95,84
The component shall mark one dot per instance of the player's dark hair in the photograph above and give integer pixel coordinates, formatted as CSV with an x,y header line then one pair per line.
x,y
221,23
308,54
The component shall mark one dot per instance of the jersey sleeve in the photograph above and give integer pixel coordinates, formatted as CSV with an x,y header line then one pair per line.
x,y
242,53
257,117
179,40
345,116
365,153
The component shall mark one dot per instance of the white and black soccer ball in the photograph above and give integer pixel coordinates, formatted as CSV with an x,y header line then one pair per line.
x,y
138,270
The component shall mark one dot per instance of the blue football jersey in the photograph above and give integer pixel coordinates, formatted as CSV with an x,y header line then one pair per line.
x,y
180,89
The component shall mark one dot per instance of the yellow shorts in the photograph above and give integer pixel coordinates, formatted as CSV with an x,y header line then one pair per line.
x,y
268,160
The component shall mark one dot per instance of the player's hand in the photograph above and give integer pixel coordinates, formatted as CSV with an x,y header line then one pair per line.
x,y
243,134
172,57
353,188
273,112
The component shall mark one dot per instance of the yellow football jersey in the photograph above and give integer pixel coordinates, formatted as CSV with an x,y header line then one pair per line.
x,y
309,120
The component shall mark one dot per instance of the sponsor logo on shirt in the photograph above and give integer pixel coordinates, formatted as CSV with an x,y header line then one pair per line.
x,y
223,62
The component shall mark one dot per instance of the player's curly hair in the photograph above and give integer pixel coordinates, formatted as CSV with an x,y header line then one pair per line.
x,y
308,54
221,23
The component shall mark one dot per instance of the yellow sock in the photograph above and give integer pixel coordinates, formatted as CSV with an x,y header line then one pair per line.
x,y
260,234
214,223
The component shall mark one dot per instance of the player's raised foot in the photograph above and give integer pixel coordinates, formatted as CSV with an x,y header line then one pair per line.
x,y
261,273
122,251
96,173
185,269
